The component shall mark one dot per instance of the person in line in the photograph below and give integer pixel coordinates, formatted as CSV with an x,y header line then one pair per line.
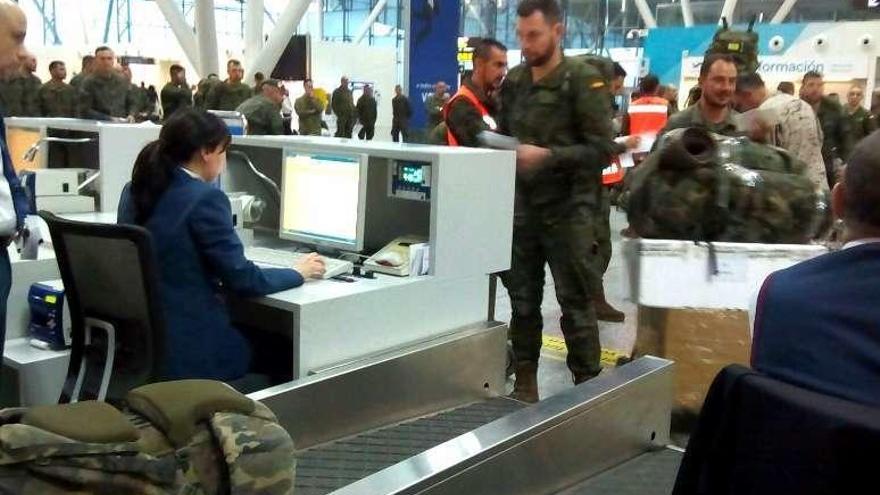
x,y
232,92
836,136
434,104
560,109
263,111
815,323
176,95
56,98
795,127
309,109
199,254
473,109
342,105
861,122
104,94
401,112
713,110
366,114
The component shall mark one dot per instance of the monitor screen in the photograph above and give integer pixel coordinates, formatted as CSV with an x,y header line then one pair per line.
x,y
323,199
20,140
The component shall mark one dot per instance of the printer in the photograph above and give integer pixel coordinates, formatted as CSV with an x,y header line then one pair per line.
x,y
57,190
49,327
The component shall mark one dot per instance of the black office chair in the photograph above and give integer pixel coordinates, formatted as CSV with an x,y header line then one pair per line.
x,y
760,436
118,331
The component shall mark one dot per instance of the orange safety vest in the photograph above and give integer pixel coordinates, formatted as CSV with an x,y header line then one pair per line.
x,y
466,93
612,174
648,115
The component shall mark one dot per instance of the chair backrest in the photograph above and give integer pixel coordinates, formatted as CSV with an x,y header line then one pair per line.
x,y
759,435
117,329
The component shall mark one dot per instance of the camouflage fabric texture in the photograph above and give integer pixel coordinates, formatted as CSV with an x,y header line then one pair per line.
x,y
230,453
741,45
706,187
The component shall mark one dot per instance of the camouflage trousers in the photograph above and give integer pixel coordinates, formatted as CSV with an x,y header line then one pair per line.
x,y
602,242
566,245
344,126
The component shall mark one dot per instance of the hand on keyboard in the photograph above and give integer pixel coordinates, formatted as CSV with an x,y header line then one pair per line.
x,y
311,266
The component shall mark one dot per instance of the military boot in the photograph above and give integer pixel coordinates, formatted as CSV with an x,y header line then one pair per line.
x,y
606,312
525,389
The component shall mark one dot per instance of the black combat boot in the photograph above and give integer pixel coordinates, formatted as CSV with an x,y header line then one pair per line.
x,y
525,389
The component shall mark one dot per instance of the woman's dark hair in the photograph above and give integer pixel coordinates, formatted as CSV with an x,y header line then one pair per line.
x,y
184,134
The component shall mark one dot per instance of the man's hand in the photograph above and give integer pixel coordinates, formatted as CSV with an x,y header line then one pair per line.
x,y
632,142
530,158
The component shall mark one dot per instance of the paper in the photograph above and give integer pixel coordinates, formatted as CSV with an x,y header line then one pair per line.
x,y
419,259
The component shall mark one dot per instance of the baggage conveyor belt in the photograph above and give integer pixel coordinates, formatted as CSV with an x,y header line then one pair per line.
x,y
431,419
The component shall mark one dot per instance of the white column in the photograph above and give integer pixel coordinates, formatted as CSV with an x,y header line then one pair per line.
x,y
783,11
368,22
647,15
253,29
285,28
686,13
182,31
727,11
206,30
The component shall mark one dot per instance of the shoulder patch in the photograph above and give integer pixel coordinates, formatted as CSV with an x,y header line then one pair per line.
x,y
597,84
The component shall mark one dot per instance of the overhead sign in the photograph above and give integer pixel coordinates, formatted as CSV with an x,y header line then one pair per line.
x,y
433,51
781,67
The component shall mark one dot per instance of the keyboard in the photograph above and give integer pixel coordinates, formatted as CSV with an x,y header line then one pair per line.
x,y
287,259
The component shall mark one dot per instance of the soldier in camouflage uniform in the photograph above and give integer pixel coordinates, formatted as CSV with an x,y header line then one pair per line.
x,y
12,96
836,136
559,110
232,92
176,94
204,87
263,111
434,104
342,104
464,120
138,99
87,65
104,95
30,88
713,111
57,98
309,110
366,113
401,111
861,123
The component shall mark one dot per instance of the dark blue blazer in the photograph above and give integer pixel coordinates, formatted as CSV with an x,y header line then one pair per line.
x,y
19,197
817,325
198,252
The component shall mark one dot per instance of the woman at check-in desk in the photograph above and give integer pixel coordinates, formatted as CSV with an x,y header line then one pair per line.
x,y
197,249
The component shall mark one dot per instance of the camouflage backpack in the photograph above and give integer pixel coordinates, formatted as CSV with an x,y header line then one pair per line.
x,y
704,187
741,45
189,437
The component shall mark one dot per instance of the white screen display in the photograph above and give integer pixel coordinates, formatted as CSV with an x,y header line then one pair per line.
x,y
321,197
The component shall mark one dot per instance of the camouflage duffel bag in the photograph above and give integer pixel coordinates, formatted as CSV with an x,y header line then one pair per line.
x,y
702,187
185,437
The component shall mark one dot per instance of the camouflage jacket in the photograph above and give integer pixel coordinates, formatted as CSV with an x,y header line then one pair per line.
x,y
342,103
19,96
263,116
175,97
568,111
227,96
30,93
138,101
837,140
366,110
57,99
229,452
309,110
104,97
400,110
861,123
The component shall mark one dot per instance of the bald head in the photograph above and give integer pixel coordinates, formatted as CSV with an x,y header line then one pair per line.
x,y
13,29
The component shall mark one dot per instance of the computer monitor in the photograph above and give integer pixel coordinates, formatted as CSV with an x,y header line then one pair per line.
x,y
323,197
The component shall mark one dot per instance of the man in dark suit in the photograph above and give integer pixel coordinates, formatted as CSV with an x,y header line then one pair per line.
x,y
817,324
13,202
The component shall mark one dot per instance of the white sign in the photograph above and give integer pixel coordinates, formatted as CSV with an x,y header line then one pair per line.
x,y
787,68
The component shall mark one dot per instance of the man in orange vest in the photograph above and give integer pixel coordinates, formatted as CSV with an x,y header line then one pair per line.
x,y
648,114
472,109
